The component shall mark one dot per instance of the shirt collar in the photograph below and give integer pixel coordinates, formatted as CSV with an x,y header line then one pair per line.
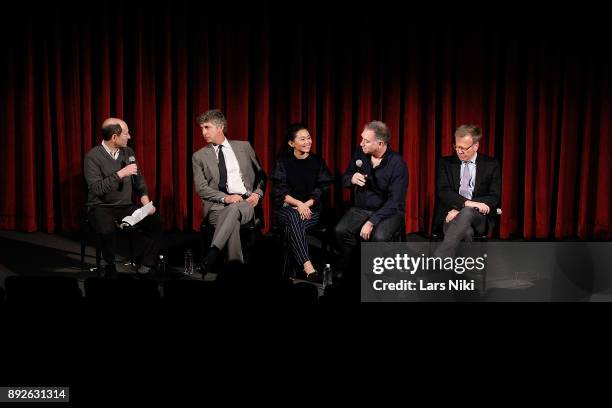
x,y
224,144
472,160
108,150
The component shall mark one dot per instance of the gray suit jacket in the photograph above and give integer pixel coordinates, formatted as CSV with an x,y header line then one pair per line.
x,y
206,174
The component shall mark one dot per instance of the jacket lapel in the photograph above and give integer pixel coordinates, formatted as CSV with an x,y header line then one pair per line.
x,y
479,170
240,156
210,157
456,173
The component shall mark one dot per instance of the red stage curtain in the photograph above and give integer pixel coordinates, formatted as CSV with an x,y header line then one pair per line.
x,y
542,96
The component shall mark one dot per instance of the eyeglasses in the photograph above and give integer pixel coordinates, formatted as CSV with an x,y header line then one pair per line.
x,y
463,149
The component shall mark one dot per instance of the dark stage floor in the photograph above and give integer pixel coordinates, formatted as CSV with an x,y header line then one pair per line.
x,y
58,255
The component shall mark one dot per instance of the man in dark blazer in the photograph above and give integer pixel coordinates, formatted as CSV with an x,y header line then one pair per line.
x,y
468,187
230,181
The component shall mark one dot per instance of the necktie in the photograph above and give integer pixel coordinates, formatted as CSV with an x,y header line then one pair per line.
x,y
222,171
464,188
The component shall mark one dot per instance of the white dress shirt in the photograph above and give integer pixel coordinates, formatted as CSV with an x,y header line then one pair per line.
x,y
113,155
235,185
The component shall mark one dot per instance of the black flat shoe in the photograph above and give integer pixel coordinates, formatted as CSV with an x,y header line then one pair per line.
x,y
313,277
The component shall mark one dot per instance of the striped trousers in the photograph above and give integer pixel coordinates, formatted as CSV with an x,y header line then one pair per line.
x,y
296,232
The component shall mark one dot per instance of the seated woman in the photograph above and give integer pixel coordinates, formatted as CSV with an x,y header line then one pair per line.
x,y
299,179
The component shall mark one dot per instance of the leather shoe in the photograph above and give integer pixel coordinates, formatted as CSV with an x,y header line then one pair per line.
x,y
314,277
144,270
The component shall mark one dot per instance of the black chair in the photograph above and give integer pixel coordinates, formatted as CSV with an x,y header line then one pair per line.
x,y
249,233
437,231
87,230
320,231
128,290
479,277
2,301
42,290
190,292
400,234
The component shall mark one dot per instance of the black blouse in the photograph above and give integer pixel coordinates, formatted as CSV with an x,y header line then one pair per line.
x,y
302,179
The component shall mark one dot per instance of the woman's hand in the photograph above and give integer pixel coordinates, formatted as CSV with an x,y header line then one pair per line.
x,y
304,211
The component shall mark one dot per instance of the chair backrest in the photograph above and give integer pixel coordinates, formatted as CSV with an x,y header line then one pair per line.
x,y
42,289
123,290
190,291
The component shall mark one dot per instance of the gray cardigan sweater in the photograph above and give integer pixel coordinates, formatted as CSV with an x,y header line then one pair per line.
x,y
105,188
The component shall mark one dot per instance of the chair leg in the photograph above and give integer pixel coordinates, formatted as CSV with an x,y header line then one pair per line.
x,y
131,247
98,256
82,252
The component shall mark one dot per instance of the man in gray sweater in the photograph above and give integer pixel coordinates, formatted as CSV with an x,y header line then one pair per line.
x,y
112,175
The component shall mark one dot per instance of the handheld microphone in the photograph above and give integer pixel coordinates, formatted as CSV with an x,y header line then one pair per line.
x,y
120,188
132,160
359,163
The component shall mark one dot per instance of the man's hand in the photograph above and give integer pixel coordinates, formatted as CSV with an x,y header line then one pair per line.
x,y
128,170
481,207
358,179
366,230
253,199
233,198
304,210
145,200
451,215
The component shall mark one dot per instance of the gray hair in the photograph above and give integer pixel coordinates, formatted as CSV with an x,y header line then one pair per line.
x,y
381,131
471,130
215,117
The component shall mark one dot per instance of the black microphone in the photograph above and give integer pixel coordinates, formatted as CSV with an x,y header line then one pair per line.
x,y
359,163
132,160
121,180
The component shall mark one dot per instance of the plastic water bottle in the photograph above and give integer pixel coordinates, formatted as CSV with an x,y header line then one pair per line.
x,y
188,263
327,276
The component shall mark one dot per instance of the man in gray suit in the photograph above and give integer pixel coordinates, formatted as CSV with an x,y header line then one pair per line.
x,y
230,181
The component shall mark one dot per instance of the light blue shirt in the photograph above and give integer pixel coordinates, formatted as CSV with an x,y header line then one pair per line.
x,y
469,166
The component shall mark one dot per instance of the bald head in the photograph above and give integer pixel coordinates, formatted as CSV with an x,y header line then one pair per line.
x,y
112,121
115,131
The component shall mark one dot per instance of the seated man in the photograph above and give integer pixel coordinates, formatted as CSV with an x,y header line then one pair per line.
x,y
230,181
469,186
380,178
112,175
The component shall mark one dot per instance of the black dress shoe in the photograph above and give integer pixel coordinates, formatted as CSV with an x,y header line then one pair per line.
x,y
314,277
144,271
207,265
209,260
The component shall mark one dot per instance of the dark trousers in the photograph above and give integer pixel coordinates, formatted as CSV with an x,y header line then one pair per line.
x,y
103,219
461,228
296,228
348,228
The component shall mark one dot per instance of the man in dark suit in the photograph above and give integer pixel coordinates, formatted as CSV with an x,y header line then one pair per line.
x,y
230,181
469,185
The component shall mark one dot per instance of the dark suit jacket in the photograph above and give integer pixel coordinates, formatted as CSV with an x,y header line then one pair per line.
x,y
487,186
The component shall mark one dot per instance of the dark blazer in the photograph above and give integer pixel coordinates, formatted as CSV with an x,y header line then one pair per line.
x,y
487,186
